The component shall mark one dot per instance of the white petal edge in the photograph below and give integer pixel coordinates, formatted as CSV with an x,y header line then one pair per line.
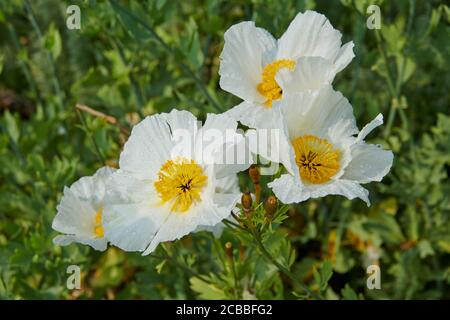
x,y
178,225
369,163
147,148
219,143
241,60
99,244
314,112
378,121
309,34
344,57
250,114
289,189
310,73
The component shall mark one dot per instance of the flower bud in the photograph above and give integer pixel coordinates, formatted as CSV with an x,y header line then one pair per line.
x,y
229,250
270,206
246,201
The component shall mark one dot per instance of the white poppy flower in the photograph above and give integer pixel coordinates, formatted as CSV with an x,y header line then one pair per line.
x,y
259,69
323,155
80,212
171,181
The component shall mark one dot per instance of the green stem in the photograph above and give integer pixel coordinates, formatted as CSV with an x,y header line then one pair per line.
x,y
4,286
236,282
14,146
134,84
218,249
172,260
390,76
50,59
24,66
257,238
390,82
97,149
395,90
281,268
230,223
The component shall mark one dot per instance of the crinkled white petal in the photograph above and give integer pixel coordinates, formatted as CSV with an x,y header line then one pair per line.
x,y
216,204
147,148
309,34
216,230
77,210
271,141
228,184
378,121
235,157
273,146
344,57
369,163
99,244
124,186
314,112
133,212
289,189
340,136
219,143
310,73
92,188
132,226
180,119
245,49
207,213
250,114
74,215
220,122
324,113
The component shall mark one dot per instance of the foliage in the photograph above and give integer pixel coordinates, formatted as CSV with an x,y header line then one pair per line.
x,y
131,59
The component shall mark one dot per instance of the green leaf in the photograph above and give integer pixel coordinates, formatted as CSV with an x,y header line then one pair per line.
x,y
160,266
348,293
322,276
425,249
12,127
205,290
2,62
134,28
406,67
52,41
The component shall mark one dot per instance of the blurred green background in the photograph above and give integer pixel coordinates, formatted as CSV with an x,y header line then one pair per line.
x,y
131,59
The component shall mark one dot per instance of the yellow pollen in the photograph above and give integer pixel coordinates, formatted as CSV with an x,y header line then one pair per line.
x,y
316,158
98,229
268,87
180,182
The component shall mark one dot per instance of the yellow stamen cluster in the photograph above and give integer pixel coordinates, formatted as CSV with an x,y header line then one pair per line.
x,y
98,229
268,87
180,182
316,159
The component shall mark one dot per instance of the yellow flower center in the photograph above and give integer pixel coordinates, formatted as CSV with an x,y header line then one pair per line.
x,y
180,182
268,87
316,158
98,229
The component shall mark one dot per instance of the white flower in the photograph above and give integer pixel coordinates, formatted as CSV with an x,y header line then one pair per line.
x,y
260,69
171,181
323,155
80,211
